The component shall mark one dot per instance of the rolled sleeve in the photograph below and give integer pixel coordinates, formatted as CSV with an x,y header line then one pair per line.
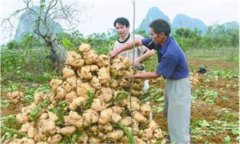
x,y
147,42
166,67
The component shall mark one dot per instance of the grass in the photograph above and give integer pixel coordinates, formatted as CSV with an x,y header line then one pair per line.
x,y
225,54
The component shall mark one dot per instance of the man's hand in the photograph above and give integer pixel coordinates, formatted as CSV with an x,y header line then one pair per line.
x,y
113,53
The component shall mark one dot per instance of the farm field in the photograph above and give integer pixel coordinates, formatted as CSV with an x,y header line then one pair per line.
x,y
215,102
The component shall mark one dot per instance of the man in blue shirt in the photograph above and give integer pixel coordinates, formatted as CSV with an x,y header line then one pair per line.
x,y
172,65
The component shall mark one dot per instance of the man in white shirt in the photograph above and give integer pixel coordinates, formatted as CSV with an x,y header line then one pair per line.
x,y
141,53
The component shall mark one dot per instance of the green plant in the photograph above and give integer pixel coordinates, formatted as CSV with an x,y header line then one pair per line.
x,y
207,95
35,113
9,127
60,111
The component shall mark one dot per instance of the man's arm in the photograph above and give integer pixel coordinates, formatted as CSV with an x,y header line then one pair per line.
x,y
143,57
146,75
125,47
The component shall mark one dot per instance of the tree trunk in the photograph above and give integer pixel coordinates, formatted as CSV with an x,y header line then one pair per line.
x,y
58,52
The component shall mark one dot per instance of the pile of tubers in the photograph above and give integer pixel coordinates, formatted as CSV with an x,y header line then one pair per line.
x,y
97,95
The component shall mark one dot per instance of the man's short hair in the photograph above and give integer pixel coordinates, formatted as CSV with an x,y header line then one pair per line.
x,y
122,21
160,25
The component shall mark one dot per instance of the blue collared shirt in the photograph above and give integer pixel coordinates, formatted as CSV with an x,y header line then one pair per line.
x,y
172,62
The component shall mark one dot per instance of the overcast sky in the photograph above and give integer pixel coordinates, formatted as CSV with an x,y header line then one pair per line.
x,y
100,14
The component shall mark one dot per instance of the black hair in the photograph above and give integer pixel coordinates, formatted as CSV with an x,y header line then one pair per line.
x,y
122,21
160,25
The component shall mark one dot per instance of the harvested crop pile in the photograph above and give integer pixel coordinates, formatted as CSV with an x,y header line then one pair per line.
x,y
90,103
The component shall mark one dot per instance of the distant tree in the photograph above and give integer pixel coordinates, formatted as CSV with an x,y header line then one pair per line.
x,y
48,10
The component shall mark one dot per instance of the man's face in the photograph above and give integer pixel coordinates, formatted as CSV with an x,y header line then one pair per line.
x,y
122,30
157,38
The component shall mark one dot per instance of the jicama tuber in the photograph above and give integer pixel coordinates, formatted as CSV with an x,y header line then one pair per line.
x,y
68,130
105,116
115,135
15,96
55,83
77,102
74,59
68,72
90,117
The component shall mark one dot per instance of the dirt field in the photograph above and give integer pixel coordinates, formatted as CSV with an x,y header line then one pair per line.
x,y
224,109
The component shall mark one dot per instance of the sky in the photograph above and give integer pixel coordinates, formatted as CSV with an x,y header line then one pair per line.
x,y
98,15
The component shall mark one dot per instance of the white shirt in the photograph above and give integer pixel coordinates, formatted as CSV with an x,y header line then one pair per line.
x,y
138,51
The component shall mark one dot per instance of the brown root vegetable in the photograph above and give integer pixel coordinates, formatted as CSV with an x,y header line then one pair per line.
x,y
74,59
31,132
139,117
124,83
139,141
90,117
147,134
105,128
60,94
54,139
136,93
15,96
114,83
84,47
83,138
94,68
72,81
126,62
42,142
96,83
55,83
103,76
153,125
67,131
90,57
20,141
22,118
115,135
38,97
94,140
137,86
158,133
134,106
105,116
67,87
103,61
117,109
29,108
77,102
70,96
83,88
98,105
43,116
145,109
47,126
26,126
85,73
107,94
126,121
116,118
68,72
73,119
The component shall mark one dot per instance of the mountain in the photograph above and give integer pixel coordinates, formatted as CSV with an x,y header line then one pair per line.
x,y
26,24
184,21
152,14
179,21
231,25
